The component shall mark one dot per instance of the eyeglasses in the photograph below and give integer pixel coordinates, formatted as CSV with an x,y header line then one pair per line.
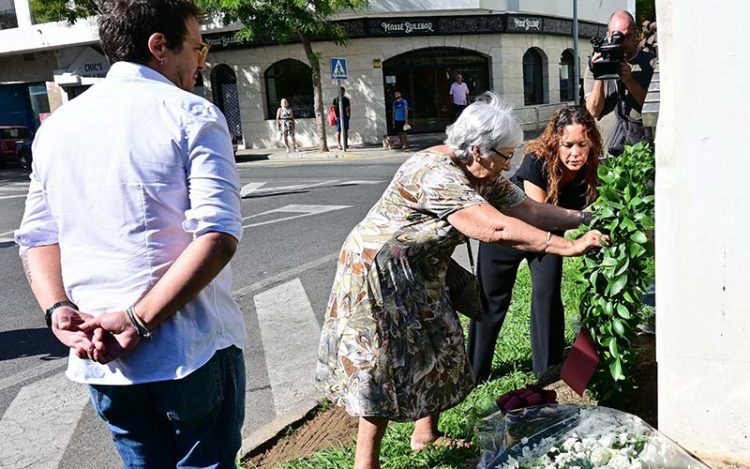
x,y
507,157
202,48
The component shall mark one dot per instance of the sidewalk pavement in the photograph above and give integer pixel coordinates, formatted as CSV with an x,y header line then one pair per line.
x,y
358,151
417,143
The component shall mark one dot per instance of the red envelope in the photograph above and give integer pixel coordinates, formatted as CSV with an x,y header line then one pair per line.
x,y
581,363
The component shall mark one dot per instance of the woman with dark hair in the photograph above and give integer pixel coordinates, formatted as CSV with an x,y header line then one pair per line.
x,y
559,168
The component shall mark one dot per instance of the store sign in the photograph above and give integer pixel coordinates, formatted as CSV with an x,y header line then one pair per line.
x,y
407,27
525,24
430,26
89,64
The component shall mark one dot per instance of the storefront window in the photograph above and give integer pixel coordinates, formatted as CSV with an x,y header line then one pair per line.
x,y
566,76
290,79
424,79
533,77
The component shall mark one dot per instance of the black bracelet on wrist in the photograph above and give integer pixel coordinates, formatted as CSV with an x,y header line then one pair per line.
x,y
48,312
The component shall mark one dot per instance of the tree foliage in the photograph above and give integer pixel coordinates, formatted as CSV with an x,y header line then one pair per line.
x,y
44,11
645,10
286,21
615,277
277,20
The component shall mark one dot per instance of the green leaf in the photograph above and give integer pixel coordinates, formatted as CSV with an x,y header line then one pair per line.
x,y
615,369
622,265
636,250
639,237
618,284
618,327
613,348
594,277
623,312
609,261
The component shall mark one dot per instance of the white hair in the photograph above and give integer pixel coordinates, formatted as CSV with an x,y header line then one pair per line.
x,y
487,123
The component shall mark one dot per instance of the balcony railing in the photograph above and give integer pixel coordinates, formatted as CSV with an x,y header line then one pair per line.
x,y
8,19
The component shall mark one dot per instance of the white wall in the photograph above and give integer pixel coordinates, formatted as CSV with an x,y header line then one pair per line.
x,y
703,227
588,10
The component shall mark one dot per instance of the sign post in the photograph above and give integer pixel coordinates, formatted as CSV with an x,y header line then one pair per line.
x,y
339,73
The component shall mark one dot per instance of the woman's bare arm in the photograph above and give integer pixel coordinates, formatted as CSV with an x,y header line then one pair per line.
x,y
485,223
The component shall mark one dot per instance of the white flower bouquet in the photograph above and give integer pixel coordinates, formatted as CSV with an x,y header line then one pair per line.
x,y
569,436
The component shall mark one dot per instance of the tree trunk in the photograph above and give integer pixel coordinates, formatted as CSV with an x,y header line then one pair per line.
x,y
317,90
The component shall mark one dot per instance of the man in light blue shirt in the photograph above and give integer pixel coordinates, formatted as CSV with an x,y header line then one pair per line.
x,y
401,118
132,217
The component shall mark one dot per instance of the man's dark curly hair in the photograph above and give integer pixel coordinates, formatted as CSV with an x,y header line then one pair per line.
x,y
126,25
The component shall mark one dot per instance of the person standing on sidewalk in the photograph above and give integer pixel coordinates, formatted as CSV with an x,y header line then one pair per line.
x,y
285,124
347,116
459,95
401,118
132,216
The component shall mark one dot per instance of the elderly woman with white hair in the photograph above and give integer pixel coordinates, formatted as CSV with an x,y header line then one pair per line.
x,y
392,347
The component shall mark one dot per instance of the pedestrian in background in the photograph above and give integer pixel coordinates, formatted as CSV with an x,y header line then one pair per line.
x,y
459,95
347,116
559,168
285,124
401,118
132,216
391,346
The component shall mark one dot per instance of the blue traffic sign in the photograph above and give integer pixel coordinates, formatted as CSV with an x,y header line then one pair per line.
x,y
338,68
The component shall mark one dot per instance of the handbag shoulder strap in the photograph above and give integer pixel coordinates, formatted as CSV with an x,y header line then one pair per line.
x,y
471,256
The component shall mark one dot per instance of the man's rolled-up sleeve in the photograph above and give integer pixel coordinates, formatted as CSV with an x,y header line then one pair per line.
x,y
38,226
213,182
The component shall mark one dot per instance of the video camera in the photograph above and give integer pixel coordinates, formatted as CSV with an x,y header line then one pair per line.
x,y
612,54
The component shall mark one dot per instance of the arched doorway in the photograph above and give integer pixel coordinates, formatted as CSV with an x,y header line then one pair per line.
x,y
424,78
290,79
224,88
567,79
533,77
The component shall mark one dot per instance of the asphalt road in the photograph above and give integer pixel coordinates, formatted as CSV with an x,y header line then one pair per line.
x,y
295,215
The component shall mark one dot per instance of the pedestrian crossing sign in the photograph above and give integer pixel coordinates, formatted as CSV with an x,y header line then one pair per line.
x,y
338,68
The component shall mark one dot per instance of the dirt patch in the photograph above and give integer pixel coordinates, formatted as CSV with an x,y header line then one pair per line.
x,y
319,431
334,426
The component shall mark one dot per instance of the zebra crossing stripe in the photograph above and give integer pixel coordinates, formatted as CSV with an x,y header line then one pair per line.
x,y
302,210
290,335
17,196
43,416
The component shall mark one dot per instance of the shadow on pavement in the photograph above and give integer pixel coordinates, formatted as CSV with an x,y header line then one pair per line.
x,y
30,343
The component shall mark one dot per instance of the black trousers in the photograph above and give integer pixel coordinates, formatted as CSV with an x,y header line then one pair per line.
x,y
497,268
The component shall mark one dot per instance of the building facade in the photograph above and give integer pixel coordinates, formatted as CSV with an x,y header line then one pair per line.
x,y
523,50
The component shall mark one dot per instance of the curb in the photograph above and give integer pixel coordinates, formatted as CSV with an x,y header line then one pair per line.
x,y
301,158
273,428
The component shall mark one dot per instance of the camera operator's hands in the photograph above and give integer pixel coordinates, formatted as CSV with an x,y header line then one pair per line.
x,y
596,57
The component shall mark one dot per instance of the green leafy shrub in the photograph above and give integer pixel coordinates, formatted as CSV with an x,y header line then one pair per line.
x,y
616,277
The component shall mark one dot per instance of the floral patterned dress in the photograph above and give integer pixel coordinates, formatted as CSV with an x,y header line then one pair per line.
x,y
391,344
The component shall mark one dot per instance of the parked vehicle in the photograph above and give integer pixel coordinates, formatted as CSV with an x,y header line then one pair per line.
x,y
11,137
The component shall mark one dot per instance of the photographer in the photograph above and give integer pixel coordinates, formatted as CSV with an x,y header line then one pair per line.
x,y
624,90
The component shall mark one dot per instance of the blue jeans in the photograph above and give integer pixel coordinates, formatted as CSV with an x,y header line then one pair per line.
x,y
193,422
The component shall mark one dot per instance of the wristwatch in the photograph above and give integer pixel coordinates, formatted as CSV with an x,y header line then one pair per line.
x,y
48,312
585,218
